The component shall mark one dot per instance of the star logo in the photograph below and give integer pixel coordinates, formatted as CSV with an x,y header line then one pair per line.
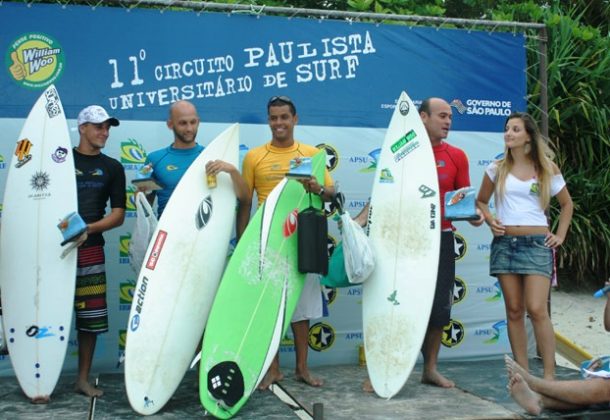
x,y
459,290
332,157
459,246
321,336
453,333
330,294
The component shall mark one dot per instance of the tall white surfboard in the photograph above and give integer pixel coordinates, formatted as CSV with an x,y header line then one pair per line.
x,y
404,227
178,279
37,285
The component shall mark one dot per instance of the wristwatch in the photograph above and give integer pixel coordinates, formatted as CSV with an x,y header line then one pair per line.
x,y
321,193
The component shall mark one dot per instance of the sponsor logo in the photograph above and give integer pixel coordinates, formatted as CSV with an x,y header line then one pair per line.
x,y
41,332
453,334
139,300
243,149
500,334
486,162
133,154
135,322
401,142
204,213
124,241
329,208
22,151
460,290
392,298
426,192
287,345
432,216
2,162
358,336
458,105
59,155
330,294
126,292
356,204
385,176
122,340
535,189
483,107
40,182
403,108
35,60
153,258
410,147
321,336
130,202
290,224
374,155
354,291
459,246
332,157
494,291
52,106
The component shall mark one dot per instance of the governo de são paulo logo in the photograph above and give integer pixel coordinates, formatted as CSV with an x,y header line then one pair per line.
x,y
35,60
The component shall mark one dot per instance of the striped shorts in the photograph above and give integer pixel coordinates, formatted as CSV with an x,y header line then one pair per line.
x,y
90,299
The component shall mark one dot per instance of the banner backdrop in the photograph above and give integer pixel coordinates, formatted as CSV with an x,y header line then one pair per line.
x,y
344,78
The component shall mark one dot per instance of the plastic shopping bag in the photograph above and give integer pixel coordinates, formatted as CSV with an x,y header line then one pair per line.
x,y
357,251
146,223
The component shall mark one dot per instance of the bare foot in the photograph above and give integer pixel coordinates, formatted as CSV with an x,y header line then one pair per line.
x,y
367,386
41,400
523,395
308,379
85,388
270,377
513,368
436,379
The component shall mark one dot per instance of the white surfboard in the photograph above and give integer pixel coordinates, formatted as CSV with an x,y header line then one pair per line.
x,y
37,285
178,279
404,227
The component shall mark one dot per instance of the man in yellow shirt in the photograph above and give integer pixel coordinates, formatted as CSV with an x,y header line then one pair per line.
x,y
264,167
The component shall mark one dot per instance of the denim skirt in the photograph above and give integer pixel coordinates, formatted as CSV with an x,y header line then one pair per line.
x,y
522,254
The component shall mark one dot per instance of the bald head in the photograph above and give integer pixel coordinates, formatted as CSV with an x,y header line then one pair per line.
x,y
181,107
436,115
183,120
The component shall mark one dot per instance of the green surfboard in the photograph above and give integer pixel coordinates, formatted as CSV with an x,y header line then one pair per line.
x,y
255,300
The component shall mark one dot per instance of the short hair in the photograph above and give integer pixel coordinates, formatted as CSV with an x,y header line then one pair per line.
x,y
425,106
282,101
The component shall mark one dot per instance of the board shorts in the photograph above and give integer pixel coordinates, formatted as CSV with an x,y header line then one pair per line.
x,y
445,280
309,305
90,297
522,254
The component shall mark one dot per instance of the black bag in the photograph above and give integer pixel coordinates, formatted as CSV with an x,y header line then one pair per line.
x,y
312,233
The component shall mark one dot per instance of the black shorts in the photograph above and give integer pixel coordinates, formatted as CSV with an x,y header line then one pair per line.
x,y
443,296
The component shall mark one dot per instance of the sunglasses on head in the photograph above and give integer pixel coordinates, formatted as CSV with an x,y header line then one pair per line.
x,y
284,99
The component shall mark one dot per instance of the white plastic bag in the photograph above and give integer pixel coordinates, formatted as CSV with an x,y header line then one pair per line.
x,y
357,251
146,223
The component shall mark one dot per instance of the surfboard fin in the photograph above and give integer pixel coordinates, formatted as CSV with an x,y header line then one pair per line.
x,y
195,360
